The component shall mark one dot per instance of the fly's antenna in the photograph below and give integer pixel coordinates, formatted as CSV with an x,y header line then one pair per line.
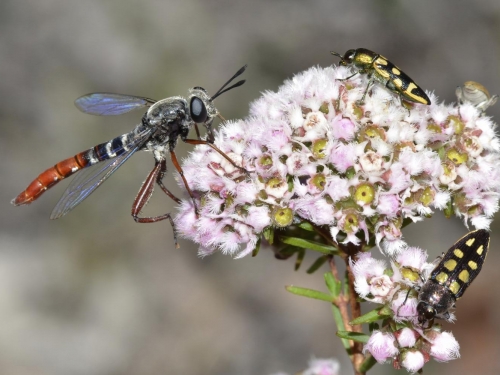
x,y
237,84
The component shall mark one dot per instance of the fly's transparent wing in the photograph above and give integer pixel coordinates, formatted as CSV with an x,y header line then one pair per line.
x,y
107,104
89,179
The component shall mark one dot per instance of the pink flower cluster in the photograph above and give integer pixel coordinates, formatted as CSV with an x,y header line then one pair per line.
x,y
409,347
314,153
374,282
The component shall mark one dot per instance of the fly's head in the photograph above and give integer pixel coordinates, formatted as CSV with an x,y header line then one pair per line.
x,y
201,108
173,117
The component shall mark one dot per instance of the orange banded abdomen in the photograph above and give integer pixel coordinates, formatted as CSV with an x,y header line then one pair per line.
x,y
51,177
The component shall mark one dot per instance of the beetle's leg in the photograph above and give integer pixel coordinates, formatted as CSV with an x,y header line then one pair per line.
x,y
368,86
345,79
144,194
404,302
404,104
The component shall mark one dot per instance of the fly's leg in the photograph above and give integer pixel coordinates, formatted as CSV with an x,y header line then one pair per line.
x,y
144,194
215,148
198,135
177,166
210,132
159,181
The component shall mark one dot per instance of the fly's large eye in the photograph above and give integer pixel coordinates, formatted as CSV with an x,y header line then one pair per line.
x,y
198,110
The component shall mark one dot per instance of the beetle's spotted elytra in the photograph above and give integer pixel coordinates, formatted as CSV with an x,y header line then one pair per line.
x,y
448,281
379,69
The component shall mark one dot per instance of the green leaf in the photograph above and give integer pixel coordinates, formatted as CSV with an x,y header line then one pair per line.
x,y
340,327
287,251
448,210
308,244
257,248
386,312
300,257
310,293
367,364
306,226
406,222
317,264
355,336
346,283
372,316
271,237
334,286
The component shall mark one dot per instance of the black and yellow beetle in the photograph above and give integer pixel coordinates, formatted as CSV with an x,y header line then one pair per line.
x,y
455,271
379,69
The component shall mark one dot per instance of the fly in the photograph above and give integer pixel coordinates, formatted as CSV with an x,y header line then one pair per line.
x,y
164,122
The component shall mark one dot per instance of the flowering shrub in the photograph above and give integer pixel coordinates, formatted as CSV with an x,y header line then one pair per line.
x,y
331,174
315,154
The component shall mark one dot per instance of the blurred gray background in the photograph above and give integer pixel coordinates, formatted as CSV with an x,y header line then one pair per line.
x,y
95,293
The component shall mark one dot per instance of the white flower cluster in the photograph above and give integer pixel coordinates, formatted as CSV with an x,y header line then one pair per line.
x,y
314,153
408,345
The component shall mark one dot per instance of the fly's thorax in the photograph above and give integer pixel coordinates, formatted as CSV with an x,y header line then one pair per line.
x,y
167,111
201,108
159,151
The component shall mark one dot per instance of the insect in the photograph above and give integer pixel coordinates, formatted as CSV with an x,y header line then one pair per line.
x,y
456,270
164,122
379,69
475,94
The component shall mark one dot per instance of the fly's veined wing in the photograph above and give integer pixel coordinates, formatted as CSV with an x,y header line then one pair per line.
x,y
107,104
89,179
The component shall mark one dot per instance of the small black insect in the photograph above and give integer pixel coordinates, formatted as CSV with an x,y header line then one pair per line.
x,y
456,270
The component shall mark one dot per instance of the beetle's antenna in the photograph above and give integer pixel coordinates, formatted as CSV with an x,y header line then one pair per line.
x,y
237,84
337,54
